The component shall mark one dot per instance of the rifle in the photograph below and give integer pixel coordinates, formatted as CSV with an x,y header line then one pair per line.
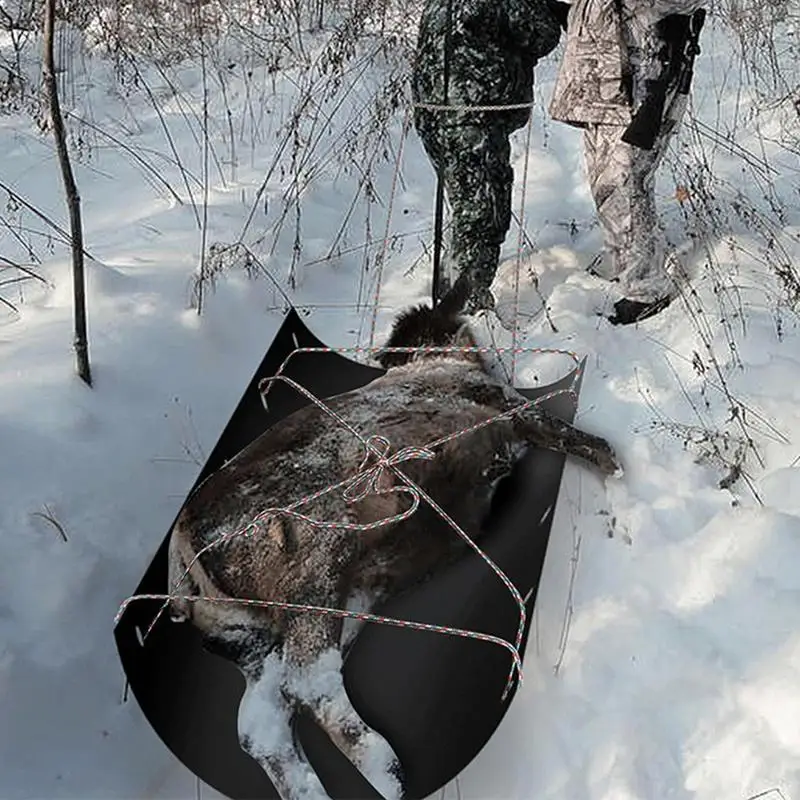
x,y
681,34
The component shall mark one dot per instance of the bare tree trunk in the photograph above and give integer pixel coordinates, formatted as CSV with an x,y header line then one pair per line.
x,y
71,191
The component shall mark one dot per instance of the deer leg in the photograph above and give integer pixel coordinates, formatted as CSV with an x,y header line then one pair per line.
x,y
537,427
368,751
314,679
540,428
265,733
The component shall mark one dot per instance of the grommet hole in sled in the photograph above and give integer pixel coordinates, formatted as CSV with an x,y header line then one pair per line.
x,y
435,698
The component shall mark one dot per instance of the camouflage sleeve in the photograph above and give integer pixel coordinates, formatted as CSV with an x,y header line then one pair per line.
x,y
476,15
532,26
663,8
522,25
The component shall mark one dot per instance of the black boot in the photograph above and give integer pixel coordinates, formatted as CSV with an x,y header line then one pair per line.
x,y
627,311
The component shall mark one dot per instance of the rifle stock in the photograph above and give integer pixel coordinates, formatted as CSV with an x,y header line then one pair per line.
x,y
643,129
680,34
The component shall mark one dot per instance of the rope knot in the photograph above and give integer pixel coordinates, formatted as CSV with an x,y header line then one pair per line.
x,y
368,480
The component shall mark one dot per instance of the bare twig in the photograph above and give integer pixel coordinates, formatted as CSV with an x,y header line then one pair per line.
x,y
774,790
151,170
48,516
62,234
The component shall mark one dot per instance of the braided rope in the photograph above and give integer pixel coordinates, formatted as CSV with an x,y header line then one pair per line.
x,y
365,482
342,613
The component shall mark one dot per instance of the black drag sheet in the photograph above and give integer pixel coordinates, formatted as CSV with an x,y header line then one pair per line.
x,y
436,698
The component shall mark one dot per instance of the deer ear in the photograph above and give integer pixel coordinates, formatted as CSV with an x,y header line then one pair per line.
x,y
466,338
456,298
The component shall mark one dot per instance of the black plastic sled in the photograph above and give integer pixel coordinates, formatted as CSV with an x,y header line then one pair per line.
x,y
436,698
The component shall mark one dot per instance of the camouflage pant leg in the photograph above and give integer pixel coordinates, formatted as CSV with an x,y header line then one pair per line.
x,y
622,182
475,163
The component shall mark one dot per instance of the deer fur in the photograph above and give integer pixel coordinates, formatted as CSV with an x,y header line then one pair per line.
x,y
420,398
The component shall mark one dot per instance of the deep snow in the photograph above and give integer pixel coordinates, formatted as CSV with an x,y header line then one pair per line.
x,y
666,657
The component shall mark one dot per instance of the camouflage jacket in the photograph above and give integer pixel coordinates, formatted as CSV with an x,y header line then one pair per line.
x,y
611,50
494,46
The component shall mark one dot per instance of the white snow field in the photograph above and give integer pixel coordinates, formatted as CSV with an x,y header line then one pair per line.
x,y
665,658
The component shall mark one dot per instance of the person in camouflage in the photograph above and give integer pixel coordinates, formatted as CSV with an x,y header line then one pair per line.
x,y
493,47
616,53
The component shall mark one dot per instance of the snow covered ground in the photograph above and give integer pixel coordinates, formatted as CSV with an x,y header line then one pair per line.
x,y
666,655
